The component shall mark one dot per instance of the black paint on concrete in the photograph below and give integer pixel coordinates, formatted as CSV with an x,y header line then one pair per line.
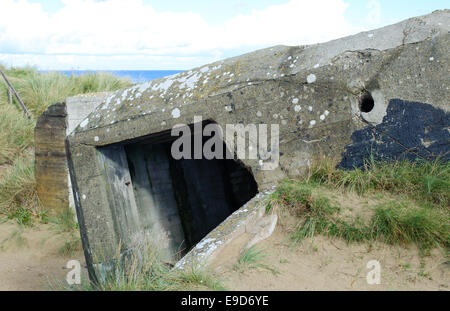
x,y
409,131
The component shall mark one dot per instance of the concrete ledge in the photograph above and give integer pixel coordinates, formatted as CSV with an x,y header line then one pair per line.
x,y
244,220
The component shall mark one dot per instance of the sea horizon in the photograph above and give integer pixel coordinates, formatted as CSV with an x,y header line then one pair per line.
x,y
136,76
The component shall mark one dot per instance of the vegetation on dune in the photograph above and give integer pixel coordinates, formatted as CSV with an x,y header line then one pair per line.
x,y
18,189
425,223
427,182
16,133
252,258
397,222
38,91
144,270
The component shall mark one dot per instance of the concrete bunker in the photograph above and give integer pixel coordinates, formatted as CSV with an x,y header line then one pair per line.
x,y
175,202
312,93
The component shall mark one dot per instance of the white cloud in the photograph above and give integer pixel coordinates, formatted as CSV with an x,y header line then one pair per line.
x,y
296,22
374,15
126,34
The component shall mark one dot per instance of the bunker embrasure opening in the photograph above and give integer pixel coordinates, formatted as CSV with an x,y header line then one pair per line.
x,y
176,202
366,102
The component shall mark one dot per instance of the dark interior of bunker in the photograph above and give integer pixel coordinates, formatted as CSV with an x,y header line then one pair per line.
x,y
186,198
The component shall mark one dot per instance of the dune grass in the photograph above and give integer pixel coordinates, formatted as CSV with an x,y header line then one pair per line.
x,y
18,190
64,221
397,222
16,133
427,182
253,258
427,223
154,277
38,91
143,270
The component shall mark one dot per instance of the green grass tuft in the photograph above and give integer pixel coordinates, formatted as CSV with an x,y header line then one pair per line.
x,y
70,246
252,258
143,270
396,222
425,182
22,215
16,134
18,189
64,221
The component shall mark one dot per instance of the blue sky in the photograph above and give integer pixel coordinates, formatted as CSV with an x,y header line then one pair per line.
x,y
178,34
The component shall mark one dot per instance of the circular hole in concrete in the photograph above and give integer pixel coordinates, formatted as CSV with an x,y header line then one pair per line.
x,y
366,102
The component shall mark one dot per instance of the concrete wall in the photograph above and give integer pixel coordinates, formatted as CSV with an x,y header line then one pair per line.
x,y
156,199
53,126
78,108
50,157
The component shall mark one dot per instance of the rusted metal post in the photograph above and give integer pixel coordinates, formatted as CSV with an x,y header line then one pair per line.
x,y
27,113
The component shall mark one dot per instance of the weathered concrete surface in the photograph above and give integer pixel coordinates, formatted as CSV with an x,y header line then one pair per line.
x,y
78,108
250,219
50,157
315,93
52,174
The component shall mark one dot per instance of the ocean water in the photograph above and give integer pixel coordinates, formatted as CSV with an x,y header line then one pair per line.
x,y
137,76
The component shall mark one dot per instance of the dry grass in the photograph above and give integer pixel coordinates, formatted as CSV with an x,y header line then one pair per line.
x,y
426,182
426,222
143,270
38,91
18,189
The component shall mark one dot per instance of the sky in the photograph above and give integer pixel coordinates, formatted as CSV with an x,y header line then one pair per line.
x,y
179,34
